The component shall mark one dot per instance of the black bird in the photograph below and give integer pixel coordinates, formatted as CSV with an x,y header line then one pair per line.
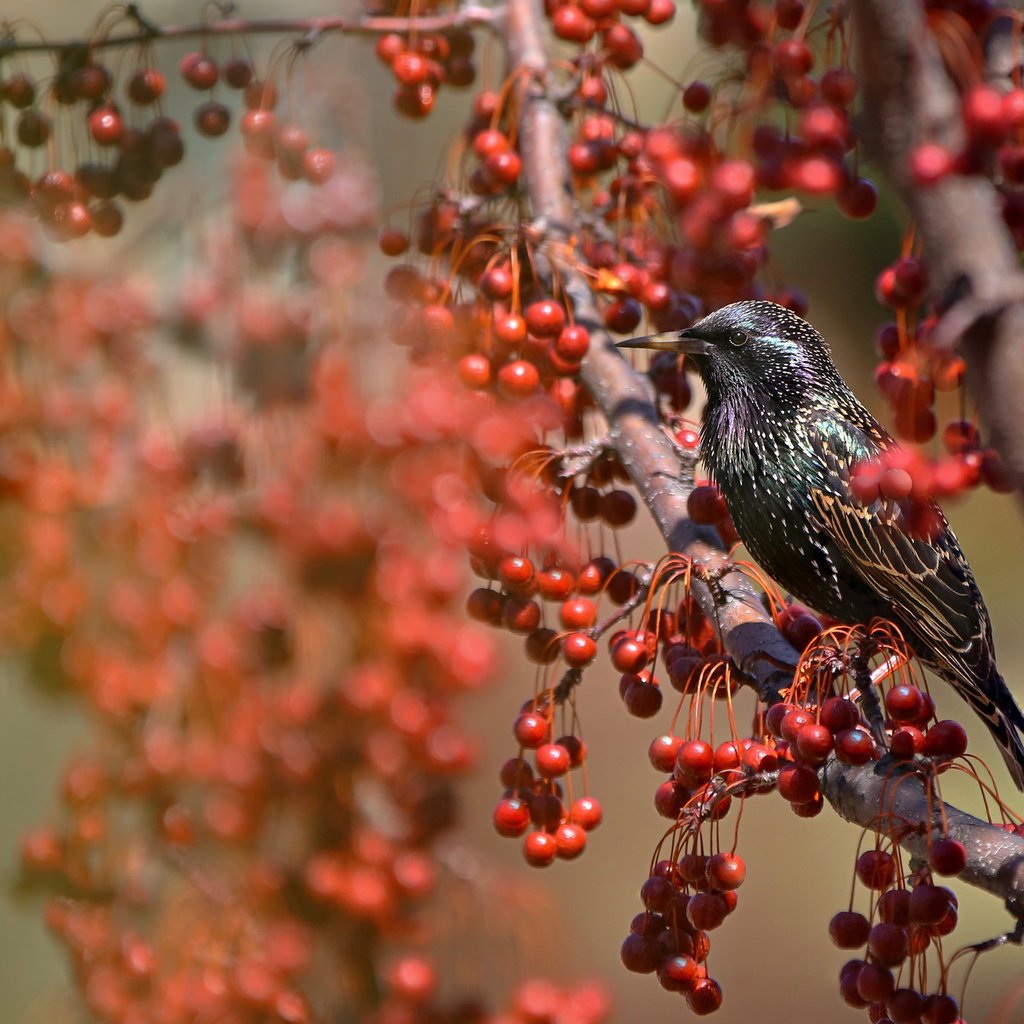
x,y
781,435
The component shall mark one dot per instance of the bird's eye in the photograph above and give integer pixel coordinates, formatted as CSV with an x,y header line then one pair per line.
x,y
738,338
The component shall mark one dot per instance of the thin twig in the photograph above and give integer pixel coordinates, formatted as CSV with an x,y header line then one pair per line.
x,y
468,16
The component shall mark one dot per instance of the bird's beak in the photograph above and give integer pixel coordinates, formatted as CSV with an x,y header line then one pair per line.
x,y
682,342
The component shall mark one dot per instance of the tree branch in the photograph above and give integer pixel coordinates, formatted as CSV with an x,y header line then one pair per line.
x,y
909,99
466,16
623,395
892,800
625,398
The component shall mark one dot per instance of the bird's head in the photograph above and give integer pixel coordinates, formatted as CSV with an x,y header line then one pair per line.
x,y
753,348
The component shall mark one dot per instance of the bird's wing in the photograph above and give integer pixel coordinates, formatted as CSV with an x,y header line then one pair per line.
x,y
925,577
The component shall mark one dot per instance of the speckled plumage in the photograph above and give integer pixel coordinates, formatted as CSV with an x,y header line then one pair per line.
x,y
781,434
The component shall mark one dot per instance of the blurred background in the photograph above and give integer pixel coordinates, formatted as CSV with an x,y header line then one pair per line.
x,y
773,957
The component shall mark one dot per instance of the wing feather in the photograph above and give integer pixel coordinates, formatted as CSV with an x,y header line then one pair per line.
x,y
927,581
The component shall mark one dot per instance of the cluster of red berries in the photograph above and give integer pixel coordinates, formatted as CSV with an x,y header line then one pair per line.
x,y
689,894
535,798
421,65
911,375
908,917
620,45
684,899
128,151
278,787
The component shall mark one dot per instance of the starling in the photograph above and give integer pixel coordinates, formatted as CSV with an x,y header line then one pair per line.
x,y
782,436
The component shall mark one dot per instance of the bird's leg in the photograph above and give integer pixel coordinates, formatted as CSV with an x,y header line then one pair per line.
x,y
871,706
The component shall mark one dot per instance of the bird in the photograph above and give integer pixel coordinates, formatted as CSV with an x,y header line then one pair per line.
x,y
783,436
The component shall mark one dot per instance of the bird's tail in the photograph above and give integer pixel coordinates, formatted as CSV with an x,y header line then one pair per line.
x,y
995,705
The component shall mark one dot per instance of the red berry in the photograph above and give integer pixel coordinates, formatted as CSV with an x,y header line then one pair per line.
x,y
904,703
728,756
578,649
573,342
798,783
145,86
788,13
618,507
511,817
571,23
894,907
510,329
199,70
570,840
237,72
643,697
793,721
940,1009
393,242
555,584
906,742
984,115
623,315
888,944
849,930
678,973
706,505
532,729
858,199
875,983
318,166
930,163
947,857
929,904
839,86
697,97
792,58
211,119
838,714
905,1006
663,751
545,318
726,871
854,746
706,911
540,849
706,995
694,763
552,760
587,813
475,371
106,126
518,378
946,739
520,614
502,168
639,953
578,613
876,869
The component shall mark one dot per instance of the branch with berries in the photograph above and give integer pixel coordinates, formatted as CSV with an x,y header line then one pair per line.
x,y
936,144
766,657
